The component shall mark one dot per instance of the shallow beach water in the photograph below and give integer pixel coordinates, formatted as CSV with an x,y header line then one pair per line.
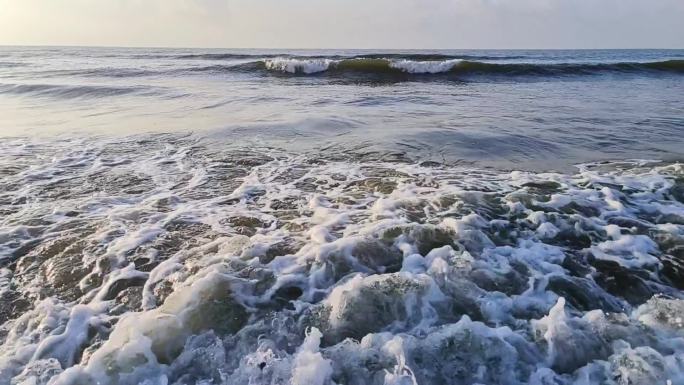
x,y
337,217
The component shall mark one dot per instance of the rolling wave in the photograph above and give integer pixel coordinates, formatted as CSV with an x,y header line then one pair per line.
x,y
70,91
9,64
403,66
409,56
390,66
106,72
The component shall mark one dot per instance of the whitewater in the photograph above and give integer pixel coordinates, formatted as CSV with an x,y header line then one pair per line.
x,y
336,217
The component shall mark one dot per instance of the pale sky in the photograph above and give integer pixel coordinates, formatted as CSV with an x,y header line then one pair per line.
x,y
345,23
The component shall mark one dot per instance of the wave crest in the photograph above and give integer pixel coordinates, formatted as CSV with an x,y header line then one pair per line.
x,y
425,67
308,66
369,65
63,91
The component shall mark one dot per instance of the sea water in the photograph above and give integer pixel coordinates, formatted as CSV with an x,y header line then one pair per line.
x,y
341,217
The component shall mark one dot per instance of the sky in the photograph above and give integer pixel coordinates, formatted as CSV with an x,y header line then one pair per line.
x,y
345,23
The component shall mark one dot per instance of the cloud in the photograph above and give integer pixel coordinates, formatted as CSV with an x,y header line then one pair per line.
x,y
346,23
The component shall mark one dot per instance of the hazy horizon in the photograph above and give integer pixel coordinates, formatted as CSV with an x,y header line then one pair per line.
x,y
655,48
336,24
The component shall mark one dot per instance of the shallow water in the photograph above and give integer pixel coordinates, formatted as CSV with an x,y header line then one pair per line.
x,y
508,109
165,223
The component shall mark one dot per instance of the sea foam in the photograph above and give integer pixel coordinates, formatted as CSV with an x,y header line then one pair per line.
x,y
297,270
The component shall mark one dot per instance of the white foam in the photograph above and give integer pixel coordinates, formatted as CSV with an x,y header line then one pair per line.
x,y
401,374
310,368
628,250
547,230
306,66
404,272
425,67
555,328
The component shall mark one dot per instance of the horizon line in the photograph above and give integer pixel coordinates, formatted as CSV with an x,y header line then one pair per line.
x,y
333,49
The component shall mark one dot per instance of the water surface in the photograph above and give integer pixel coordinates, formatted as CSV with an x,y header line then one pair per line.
x,y
509,109
341,217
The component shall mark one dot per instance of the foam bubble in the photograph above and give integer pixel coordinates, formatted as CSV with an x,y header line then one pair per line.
x,y
424,67
193,264
306,66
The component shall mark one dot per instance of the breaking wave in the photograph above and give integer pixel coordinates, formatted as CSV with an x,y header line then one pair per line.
x,y
162,260
408,56
388,66
452,66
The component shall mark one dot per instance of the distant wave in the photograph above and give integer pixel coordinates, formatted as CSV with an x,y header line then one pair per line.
x,y
107,72
8,64
404,66
392,67
407,56
70,91
213,56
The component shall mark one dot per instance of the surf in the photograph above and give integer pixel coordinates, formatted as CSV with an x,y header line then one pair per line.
x,y
305,66
194,264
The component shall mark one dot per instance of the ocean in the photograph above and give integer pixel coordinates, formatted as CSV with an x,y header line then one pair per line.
x,y
212,216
